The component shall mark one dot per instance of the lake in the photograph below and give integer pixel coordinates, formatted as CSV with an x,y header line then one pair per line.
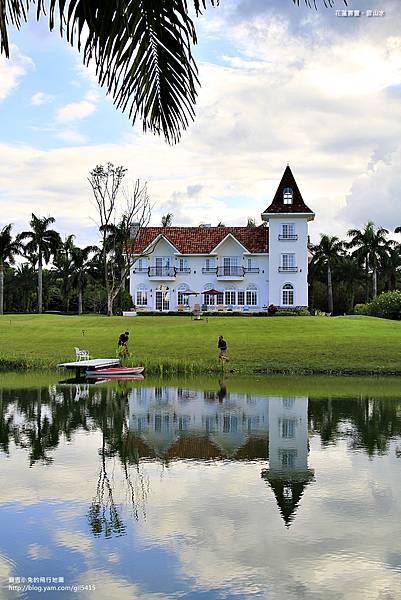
x,y
274,488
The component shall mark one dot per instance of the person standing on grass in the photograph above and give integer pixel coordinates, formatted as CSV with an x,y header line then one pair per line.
x,y
123,343
222,346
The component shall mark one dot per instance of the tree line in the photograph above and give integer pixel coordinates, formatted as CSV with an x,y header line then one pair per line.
x,y
41,271
343,273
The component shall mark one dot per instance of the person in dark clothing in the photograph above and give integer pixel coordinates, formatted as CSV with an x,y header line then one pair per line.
x,y
222,346
222,393
123,343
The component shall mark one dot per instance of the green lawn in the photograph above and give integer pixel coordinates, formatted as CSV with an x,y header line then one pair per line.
x,y
319,344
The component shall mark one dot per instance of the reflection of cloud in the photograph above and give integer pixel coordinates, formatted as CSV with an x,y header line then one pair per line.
x,y
109,586
38,552
75,541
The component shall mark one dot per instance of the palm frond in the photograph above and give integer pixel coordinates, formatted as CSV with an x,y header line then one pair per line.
x,y
141,49
314,3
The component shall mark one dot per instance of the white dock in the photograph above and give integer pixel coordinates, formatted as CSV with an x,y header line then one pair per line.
x,y
87,365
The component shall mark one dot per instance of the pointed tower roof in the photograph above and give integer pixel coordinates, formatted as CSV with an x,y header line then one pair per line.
x,y
288,489
297,206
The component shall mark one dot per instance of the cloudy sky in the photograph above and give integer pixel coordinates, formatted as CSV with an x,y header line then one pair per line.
x,y
279,84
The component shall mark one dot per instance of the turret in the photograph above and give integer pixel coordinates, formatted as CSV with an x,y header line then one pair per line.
x,y
288,218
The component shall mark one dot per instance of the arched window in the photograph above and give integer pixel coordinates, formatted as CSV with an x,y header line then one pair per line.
x,y
209,299
251,295
182,298
141,295
287,294
229,295
287,195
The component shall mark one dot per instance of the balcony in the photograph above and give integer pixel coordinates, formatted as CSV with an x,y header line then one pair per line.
x,y
288,237
184,270
162,273
141,270
251,270
288,269
206,270
229,273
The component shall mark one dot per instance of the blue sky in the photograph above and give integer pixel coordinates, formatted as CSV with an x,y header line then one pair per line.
x,y
279,84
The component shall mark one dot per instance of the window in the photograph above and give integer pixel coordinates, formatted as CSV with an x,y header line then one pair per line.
x,y
183,265
287,458
141,296
288,402
141,265
288,295
251,296
230,265
241,298
210,264
182,298
229,297
208,299
288,231
287,195
287,428
288,262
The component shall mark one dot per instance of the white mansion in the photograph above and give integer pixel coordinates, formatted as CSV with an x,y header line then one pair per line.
x,y
245,268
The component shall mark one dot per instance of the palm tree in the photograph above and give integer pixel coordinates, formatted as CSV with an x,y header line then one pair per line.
x,y
167,220
390,267
42,244
63,264
371,246
327,253
142,51
82,266
8,249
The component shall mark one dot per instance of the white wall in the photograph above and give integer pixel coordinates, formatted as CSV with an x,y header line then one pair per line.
x,y
196,280
276,248
295,410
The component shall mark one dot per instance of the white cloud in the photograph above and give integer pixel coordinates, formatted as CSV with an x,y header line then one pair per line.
x,y
41,98
71,136
12,69
75,111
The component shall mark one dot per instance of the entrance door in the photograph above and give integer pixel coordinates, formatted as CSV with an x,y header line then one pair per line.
x,y
162,300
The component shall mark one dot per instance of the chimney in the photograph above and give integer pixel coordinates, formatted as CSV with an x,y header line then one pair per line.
x,y
134,230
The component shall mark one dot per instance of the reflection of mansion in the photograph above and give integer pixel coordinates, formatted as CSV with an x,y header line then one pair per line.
x,y
249,267
176,423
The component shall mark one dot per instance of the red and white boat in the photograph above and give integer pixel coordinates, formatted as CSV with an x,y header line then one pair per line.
x,y
114,372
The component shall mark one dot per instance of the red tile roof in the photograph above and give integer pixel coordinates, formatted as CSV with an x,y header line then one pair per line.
x,y
202,240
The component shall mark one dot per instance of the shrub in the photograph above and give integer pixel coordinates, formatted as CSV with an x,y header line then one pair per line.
x,y
386,306
271,309
361,309
303,312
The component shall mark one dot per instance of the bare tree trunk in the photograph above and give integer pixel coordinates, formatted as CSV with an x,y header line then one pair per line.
x,y
40,285
110,302
1,288
329,289
367,280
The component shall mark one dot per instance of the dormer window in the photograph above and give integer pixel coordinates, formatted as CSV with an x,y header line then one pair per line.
x,y
287,195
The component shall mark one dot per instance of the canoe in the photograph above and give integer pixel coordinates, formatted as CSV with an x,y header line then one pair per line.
x,y
114,372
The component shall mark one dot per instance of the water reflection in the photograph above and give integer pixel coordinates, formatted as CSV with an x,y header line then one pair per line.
x,y
209,481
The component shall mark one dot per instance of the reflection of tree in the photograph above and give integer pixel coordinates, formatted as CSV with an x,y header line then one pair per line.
x,y
368,423
110,414
103,515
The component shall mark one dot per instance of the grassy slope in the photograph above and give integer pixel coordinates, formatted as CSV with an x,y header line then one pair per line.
x,y
320,344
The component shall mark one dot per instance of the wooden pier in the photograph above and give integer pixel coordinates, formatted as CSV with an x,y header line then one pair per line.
x,y
81,366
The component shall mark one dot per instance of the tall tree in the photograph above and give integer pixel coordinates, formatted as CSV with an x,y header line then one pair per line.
x,y
327,253
42,244
130,209
167,220
64,268
9,247
142,51
81,267
251,223
370,246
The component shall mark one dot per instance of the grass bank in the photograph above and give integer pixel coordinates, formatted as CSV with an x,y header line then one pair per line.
x,y
178,345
